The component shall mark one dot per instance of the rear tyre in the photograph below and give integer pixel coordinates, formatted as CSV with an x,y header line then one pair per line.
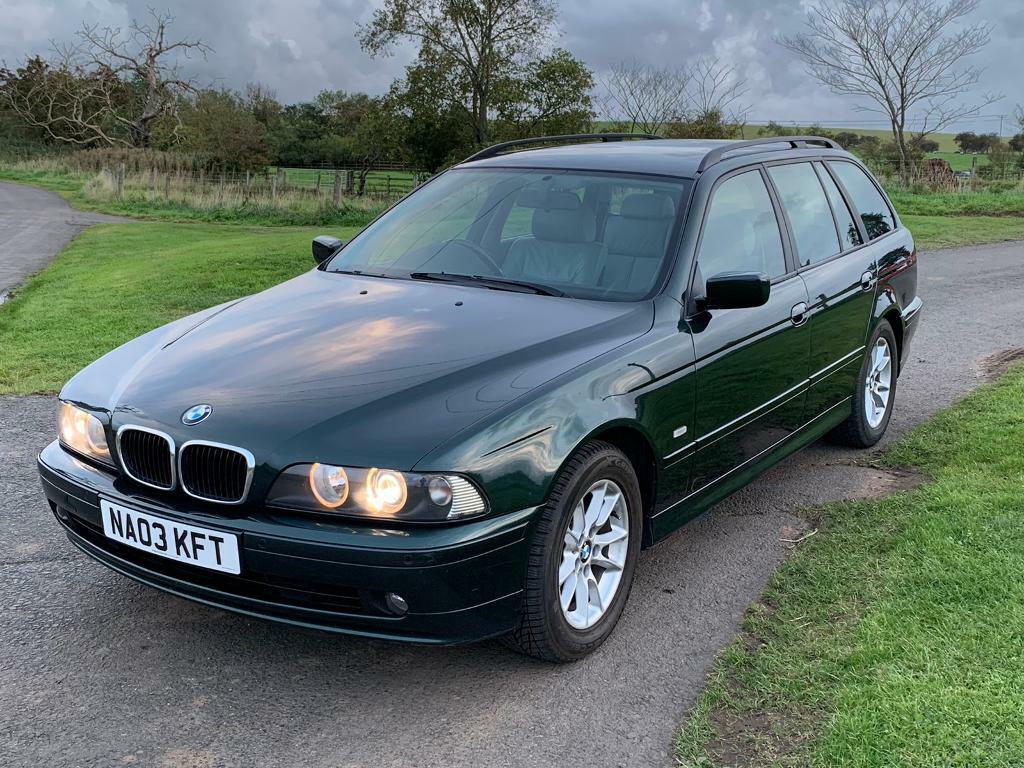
x,y
582,557
873,394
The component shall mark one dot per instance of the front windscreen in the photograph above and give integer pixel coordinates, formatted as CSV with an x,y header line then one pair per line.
x,y
586,235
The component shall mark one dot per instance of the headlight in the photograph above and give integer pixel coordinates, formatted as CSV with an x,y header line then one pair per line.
x,y
83,433
375,492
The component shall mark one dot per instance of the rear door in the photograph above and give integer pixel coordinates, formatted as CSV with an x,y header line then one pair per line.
x,y
752,363
839,274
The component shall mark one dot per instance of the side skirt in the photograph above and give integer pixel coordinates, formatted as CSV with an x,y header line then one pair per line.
x,y
675,515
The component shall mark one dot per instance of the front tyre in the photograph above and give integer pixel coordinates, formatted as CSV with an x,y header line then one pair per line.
x,y
873,394
582,557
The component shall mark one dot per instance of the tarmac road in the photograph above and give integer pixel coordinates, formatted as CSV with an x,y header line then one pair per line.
x,y
98,671
34,226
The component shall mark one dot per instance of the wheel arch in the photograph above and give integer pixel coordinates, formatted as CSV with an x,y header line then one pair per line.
x,y
887,309
635,444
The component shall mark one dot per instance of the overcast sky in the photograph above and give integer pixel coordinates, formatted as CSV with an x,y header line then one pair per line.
x,y
299,47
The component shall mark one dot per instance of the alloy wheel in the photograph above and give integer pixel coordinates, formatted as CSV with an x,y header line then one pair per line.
x,y
594,551
878,384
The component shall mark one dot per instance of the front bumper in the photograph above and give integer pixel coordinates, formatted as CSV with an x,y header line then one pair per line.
x,y
461,582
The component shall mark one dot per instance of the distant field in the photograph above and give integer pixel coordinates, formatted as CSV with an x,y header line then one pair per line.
x,y
946,143
960,162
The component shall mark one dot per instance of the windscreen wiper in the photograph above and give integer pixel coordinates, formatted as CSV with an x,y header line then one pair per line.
x,y
490,281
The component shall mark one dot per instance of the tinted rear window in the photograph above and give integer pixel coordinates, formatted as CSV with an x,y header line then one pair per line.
x,y
810,216
868,201
844,219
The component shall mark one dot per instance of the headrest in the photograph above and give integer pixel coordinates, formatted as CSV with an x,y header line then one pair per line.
x,y
565,226
551,200
654,205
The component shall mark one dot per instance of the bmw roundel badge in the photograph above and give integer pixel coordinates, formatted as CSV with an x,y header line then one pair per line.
x,y
196,414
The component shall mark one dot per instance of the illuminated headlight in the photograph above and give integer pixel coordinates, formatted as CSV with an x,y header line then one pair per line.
x,y
375,492
83,433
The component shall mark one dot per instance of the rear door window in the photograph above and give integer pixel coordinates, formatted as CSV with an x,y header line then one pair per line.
x,y
808,211
868,201
848,232
741,232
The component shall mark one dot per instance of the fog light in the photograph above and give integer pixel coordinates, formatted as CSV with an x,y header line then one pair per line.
x,y
396,603
440,491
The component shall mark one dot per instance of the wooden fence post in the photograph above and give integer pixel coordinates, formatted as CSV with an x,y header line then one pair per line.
x,y
318,183
337,189
167,186
119,181
273,188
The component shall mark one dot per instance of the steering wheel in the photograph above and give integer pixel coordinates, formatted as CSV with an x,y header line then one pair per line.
x,y
483,256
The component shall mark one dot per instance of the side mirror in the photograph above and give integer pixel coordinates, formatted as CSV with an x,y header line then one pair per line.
x,y
736,290
324,247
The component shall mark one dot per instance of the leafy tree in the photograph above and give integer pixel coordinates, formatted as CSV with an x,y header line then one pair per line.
x,y
219,127
967,141
551,97
483,42
710,125
1017,143
375,136
431,107
924,145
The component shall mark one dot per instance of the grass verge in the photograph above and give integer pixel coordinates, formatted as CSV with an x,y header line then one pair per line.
x,y
115,282
84,191
946,231
1010,203
895,637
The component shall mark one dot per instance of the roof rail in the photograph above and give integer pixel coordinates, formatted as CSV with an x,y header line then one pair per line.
x,y
795,142
499,149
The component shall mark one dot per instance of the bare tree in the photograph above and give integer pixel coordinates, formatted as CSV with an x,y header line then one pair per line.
x,y
484,41
643,96
107,87
715,87
904,58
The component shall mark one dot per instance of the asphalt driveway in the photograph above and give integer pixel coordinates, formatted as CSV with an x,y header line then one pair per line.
x,y
96,670
34,226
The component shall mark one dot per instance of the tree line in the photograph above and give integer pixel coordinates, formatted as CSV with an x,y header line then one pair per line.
x,y
485,71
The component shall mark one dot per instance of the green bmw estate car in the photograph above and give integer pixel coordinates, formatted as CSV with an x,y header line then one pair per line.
x,y
469,420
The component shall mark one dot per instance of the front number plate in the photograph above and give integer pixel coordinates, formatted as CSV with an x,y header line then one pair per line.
x,y
190,544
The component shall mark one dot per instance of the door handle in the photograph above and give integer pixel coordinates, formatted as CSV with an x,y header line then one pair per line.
x,y
798,314
867,280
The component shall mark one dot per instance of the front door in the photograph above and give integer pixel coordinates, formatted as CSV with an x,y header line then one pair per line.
x,y
752,363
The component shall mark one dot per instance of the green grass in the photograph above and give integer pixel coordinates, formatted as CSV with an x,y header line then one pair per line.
x,y
958,204
932,232
115,282
959,162
895,636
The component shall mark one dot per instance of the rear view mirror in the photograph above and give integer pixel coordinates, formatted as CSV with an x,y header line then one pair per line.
x,y
324,247
737,290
